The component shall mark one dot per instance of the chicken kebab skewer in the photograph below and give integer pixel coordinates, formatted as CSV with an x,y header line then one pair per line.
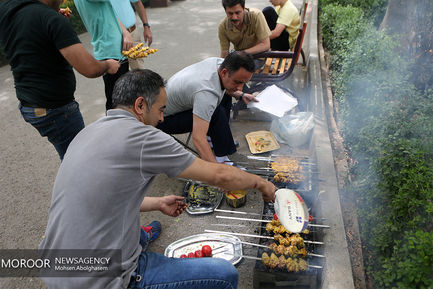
x,y
291,251
291,264
283,239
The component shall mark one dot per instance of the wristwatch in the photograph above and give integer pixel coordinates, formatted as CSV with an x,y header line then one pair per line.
x,y
146,24
242,95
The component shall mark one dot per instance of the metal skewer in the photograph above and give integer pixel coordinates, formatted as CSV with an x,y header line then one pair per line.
x,y
267,247
273,157
122,61
239,234
260,259
319,226
257,236
240,212
266,221
243,219
243,226
229,225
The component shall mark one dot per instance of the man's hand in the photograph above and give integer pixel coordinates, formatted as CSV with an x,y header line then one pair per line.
x,y
247,98
147,35
65,12
127,40
268,191
172,205
113,66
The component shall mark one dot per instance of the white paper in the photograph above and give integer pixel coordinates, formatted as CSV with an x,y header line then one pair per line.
x,y
274,101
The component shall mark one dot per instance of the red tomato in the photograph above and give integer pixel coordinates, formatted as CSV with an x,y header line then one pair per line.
x,y
275,217
207,251
198,254
183,256
191,255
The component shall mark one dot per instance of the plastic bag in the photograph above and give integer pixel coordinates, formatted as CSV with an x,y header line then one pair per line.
x,y
293,129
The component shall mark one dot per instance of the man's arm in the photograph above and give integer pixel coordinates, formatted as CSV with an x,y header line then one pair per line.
x,y
199,132
264,45
86,64
228,177
279,28
141,11
261,29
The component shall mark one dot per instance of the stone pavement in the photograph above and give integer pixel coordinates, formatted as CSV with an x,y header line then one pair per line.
x,y
185,33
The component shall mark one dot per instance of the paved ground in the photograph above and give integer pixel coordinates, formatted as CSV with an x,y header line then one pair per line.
x,y
185,33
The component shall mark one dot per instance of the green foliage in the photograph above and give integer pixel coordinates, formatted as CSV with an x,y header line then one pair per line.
x,y
397,216
373,9
412,260
340,27
371,79
75,16
388,127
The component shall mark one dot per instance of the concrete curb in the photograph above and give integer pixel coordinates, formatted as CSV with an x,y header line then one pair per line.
x,y
337,272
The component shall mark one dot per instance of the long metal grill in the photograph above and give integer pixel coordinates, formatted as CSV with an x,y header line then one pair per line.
x,y
265,277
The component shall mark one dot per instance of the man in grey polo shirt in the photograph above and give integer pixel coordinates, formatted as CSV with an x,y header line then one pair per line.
x,y
195,102
101,188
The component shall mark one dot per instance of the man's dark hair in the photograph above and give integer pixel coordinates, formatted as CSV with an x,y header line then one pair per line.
x,y
231,3
237,59
136,83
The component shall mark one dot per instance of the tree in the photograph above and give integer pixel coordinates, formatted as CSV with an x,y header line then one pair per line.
x,y
412,22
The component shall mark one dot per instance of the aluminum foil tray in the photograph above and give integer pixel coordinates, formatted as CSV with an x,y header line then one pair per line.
x,y
223,246
201,198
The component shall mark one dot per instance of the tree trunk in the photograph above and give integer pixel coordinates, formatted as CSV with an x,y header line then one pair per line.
x,y
412,22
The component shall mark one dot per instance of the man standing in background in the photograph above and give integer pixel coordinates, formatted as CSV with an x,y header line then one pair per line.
x,y
41,45
126,15
102,24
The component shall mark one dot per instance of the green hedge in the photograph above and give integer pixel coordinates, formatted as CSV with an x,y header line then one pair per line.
x,y
388,128
374,9
340,27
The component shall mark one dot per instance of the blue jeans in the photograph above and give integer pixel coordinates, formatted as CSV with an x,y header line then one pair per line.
x,y
156,271
60,124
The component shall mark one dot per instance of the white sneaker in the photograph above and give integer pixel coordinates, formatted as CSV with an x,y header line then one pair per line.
x,y
224,160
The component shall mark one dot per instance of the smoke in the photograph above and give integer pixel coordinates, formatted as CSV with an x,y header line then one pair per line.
x,y
384,87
